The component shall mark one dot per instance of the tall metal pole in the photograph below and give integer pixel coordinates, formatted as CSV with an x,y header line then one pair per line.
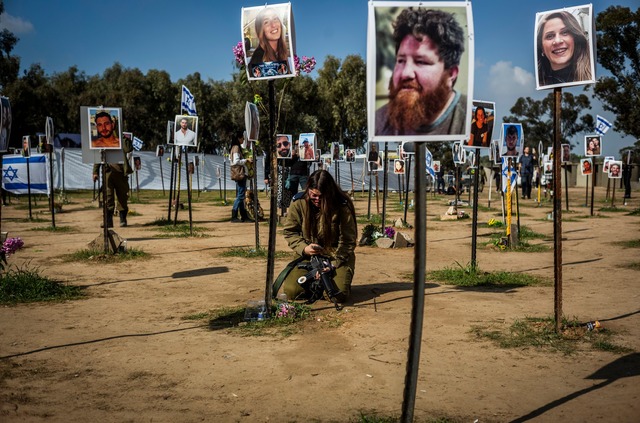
x,y
474,225
419,273
173,152
557,210
385,183
273,204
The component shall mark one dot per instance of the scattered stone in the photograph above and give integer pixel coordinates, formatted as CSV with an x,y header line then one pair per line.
x,y
384,242
402,240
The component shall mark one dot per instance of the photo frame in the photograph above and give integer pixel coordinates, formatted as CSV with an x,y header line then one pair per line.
x,y
386,111
186,130
615,169
482,123
104,128
605,164
262,60
566,153
398,167
586,167
350,155
137,163
159,150
26,146
48,130
592,145
307,147
458,153
510,147
574,28
284,146
374,157
170,131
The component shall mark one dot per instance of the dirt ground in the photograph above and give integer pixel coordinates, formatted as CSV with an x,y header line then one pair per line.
x,y
126,353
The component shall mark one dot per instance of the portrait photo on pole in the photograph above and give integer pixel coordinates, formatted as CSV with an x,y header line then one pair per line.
x,y
512,140
374,158
105,128
5,124
26,146
307,147
398,167
268,41
586,166
186,130
350,155
159,150
482,121
283,146
606,162
592,145
615,169
564,47
495,151
419,71
566,153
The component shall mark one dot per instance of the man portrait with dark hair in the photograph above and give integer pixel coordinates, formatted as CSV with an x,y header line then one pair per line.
x,y
422,100
107,132
510,145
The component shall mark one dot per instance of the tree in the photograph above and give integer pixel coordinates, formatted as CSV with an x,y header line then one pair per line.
x,y
618,35
9,65
536,117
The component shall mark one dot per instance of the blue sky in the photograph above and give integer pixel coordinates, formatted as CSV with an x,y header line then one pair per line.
x,y
197,36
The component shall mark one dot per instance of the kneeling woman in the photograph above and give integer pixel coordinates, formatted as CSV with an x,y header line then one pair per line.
x,y
322,220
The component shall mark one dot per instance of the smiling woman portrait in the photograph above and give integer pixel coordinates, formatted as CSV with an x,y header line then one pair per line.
x,y
562,50
271,36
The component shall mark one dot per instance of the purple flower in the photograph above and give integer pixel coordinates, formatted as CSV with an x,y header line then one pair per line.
x,y
238,52
11,245
389,232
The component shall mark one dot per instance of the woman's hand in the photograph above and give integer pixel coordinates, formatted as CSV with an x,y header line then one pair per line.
x,y
313,249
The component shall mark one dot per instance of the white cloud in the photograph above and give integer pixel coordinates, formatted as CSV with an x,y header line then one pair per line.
x,y
15,24
506,78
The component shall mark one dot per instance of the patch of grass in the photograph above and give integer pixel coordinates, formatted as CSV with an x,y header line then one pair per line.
x,y
613,209
133,213
526,233
181,231
588,216
634,265
253,253
633,243
635,212
539,333
161,221
57,229
24,285
232,318
34,219
467,276
375,219
523,244
100,256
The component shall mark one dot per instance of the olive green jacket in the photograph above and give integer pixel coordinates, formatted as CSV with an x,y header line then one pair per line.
x,y
342,223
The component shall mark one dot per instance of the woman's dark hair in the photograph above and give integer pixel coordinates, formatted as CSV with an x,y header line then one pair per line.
x,y
332,198
237,137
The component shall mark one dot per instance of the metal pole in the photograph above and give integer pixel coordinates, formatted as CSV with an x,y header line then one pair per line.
x,y
173,152
51,189
385,183
273,206
594,182
419,272
566,187
161,175
189,187
557,210
408,178
474,225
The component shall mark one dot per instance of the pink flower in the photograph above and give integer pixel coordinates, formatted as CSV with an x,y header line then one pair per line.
x,y
238,52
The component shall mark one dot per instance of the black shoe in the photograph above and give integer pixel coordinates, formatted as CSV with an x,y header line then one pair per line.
x,y
236,220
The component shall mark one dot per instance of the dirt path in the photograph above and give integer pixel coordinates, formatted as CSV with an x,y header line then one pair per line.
x,y
125,353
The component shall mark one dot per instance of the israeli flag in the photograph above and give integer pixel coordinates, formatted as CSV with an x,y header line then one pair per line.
x,y
514,175
14,174
137,143
429,160
602,125
188,102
